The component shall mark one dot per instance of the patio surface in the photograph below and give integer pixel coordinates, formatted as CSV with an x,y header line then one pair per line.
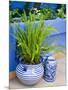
x,y
60,78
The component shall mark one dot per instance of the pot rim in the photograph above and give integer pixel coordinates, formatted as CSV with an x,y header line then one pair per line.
x,y
31,64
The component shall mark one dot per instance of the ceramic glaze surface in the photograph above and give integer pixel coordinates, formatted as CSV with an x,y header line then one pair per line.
x,y
29,74
50,70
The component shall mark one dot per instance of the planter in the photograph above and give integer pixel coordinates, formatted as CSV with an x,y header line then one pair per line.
x,y
50,70
58,23
29,74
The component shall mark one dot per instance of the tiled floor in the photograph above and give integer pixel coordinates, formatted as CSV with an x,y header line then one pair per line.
x,y
60,78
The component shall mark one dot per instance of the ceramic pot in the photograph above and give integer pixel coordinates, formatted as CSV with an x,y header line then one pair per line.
x,y
29,74
50,70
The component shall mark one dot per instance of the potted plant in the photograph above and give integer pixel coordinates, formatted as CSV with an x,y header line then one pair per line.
x,y
30,43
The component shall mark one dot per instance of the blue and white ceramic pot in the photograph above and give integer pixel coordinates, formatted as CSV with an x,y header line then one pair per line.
x,y
50,70
29,74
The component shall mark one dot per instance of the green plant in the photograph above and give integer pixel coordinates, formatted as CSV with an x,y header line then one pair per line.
x,y
30,41
47,13
36,14
30,17
13,14
61,12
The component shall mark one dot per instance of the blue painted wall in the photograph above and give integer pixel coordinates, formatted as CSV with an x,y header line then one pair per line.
x,y
21,5
59,24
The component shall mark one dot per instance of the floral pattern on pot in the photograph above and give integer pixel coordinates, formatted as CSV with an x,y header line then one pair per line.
x,y
29,74
50,70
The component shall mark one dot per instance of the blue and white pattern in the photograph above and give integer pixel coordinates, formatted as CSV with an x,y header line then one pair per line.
x,y
50,70
29,74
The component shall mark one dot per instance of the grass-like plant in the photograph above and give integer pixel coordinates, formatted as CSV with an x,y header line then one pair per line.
x,y
43,14
30,42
